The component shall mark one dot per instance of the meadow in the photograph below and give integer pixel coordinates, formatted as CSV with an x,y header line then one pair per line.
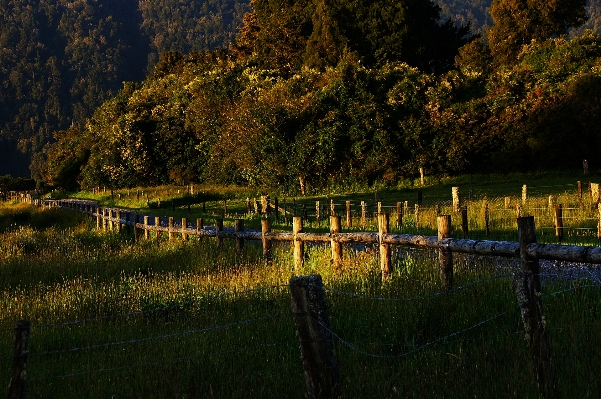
x,y
111,317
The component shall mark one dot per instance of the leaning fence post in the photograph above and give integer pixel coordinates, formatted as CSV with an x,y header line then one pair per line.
x,y
383,225
16,389
335,228
313,325
445,256
299,246
528,290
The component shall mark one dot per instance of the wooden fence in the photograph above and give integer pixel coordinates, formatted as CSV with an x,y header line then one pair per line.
x,y
526,284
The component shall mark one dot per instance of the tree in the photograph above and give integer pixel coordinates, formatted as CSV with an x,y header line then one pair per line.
x,y
518,22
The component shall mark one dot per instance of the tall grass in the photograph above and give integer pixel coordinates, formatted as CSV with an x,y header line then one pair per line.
x,y
115,318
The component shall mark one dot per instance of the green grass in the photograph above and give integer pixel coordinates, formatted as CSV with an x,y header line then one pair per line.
x,y
170,319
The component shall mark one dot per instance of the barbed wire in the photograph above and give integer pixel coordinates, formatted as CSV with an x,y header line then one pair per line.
x,y
159,337
419,348
163,362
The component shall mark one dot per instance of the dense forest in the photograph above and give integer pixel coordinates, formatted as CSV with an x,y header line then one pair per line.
x,y
298,93
60,59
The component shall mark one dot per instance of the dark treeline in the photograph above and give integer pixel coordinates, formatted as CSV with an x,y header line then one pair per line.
x,y
316,92
60,59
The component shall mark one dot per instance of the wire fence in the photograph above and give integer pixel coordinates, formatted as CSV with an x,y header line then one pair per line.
x,y
229,356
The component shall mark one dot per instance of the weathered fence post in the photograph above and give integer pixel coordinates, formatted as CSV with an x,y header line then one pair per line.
x,y
218,230
528,289
184,227
239,227
299,246
313,326
464,222
118,216
445,257
266,228
363,215
456,199
171,232
335,228
146,231
524,193
317,212
16,389
487,219
559,222
585,166
349,215
383,225
157,224
98,218
518,211
248,205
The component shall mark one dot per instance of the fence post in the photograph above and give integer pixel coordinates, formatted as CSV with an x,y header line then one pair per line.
x,y
157,224
266,228
464,222
456,199
363,214
559,222
146,231
184,227
445,256
487,219
313,326
98,218
336,246
528,290
239,227
118,216
416,216
171,232
199,226
383,225
317,213
218,230
579,191
16,389
524,194
595,193
507,202
599,223
399,214
349,215
299,246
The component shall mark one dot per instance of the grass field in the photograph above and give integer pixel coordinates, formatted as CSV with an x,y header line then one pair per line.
x,y
114,318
